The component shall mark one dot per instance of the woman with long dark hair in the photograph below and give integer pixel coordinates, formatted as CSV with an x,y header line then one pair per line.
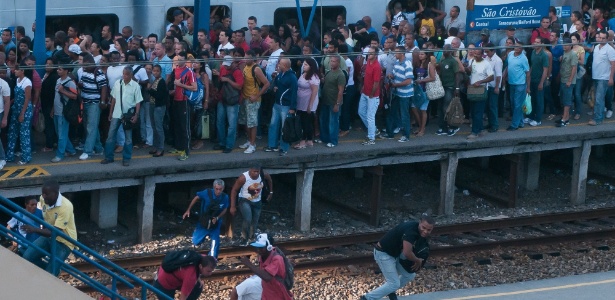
x,y
286,36
21,115
307,101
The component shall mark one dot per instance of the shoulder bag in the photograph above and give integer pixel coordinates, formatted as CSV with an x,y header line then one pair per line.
x,y
476,94
434,89
126,123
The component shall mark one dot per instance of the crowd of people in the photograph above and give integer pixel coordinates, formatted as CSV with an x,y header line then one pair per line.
x,y
137,87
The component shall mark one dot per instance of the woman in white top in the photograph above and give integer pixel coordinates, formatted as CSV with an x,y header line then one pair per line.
x,y
307,101
21,115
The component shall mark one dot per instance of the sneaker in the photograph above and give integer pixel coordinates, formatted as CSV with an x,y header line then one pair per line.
x,y
56,159
378,131
472,136
452,132
250,149
562,123
79,148
440,132
175,151
534,123
510,128
330,145
384,137
244,146
283,153
227,150
84,156
526,120
182,156
98,153
369,142
269,149
609,114
403,139
2,164
396,131
392,296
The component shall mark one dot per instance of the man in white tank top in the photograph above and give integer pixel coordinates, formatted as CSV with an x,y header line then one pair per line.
x,y
249,186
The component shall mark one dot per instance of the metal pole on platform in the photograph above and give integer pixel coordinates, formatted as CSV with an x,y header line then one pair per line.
x,y
39,35
202,9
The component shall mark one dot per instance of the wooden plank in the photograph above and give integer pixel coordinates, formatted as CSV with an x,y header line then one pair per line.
x,y
580,164
448,170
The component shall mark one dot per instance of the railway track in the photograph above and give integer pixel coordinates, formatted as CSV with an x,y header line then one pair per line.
x,y
446,240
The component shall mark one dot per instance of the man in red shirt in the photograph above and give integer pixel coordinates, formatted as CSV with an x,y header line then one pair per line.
x,y
271,269
240,40
186,279
184,79
542,31
370,95
231,79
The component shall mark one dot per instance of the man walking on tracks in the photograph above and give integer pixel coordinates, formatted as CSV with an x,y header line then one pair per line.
x,y
399,254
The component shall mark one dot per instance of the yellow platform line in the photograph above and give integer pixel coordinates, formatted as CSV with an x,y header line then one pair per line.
x,y
568,286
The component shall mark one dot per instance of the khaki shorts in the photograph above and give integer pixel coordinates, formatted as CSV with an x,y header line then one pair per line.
x,y
248,113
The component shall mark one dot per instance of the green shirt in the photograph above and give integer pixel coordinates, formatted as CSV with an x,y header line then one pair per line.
x,y
448,68
333,80
569,60
539,61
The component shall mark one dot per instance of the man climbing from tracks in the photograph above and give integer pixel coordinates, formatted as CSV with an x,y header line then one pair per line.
x,y
248,187
274,270
400,253
184,270
214,203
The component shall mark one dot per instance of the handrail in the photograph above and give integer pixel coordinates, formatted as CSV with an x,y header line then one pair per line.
x,y
118,275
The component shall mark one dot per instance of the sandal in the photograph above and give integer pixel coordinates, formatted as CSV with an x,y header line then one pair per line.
x,y
577,116
420,133
299,147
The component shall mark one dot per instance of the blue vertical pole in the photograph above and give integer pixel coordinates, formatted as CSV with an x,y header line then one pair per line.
x,y
39,35
305,31
202,9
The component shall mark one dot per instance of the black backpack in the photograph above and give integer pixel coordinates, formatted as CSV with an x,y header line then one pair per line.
x,y
230,95
181,258
73,109
289,280
292,130
256,82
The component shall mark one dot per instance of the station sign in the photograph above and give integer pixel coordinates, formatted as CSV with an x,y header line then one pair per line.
x,y
499,14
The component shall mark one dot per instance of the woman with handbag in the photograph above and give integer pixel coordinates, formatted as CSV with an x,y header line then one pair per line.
x,y
422,75
481,73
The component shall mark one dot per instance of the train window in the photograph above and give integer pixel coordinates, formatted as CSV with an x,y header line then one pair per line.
x,y
329,14
217,13
88,24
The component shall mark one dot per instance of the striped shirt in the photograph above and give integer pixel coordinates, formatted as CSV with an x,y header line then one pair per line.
x,y
402,71
91,88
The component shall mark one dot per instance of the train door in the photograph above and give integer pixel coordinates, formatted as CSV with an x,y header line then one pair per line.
x,y
87,24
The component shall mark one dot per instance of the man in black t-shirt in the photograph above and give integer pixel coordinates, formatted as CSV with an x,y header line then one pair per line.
x,y
399,254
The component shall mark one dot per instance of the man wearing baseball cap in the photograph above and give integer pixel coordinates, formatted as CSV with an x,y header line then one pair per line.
x,y
270,269
484,37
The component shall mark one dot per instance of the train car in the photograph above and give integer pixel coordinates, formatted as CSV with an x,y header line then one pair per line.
x,y
151,16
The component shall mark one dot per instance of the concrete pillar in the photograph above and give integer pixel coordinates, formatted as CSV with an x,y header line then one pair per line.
x,y
303,204
531,166
448,170
580,164
103,209
145,210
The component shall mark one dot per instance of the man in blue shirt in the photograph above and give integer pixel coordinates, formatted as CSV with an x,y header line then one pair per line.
x,y
15,224
7,40
214,203
518,74
285,103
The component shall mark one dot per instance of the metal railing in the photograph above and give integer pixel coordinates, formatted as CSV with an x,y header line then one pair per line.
x,y
117,274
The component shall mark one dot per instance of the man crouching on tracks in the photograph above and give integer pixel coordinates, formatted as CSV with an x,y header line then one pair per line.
x,y
399,254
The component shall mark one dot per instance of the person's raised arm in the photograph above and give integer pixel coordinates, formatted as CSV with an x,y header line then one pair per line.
x,y
241,180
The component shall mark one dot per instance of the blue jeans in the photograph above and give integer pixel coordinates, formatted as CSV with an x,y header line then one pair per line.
x,y
2,155
92,118
400,108
111,139
578,97
329,124
394,274
478,109
367,111
601,87
230,113
214,234
64,144
35,256
517,96
157,116
278,116
492,114
250,212
538,102
147,132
